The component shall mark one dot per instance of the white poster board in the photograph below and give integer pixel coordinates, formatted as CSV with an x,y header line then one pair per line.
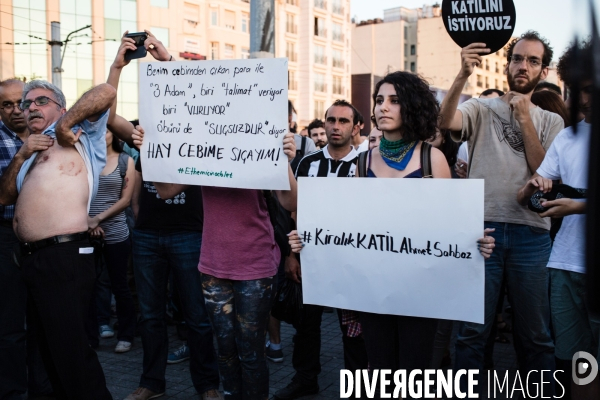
x,y
393,246
215,123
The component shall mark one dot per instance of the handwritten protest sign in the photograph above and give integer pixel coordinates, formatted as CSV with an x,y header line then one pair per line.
x,y
216,123
486,21
393,246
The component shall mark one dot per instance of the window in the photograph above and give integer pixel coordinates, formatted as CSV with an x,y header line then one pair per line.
x,y
338,60
191,14
160,3
214,17
320,55
320,85
319,109
497,68
112,29
413,49
214,50
292,2
292,83
405,32
245,53
229,52
405,49
336,32
290,51
321,4
337,85
230,20
487,65
320,28
504,87
245,19
337,7
496,86
487,82
290,23
161,34
479,81
413,67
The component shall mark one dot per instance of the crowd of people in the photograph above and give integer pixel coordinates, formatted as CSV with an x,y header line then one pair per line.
x,y
79,225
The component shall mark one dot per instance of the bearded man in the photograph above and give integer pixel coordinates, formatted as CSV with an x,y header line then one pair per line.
x,y
508,138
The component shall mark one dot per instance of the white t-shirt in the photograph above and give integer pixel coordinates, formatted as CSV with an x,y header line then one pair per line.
x,y
463,152
567,159
364,146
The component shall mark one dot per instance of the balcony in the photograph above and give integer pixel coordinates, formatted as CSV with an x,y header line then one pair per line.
x,y
290,28
322,4
338,63
337,36
293,57
321,33
320,87
319,59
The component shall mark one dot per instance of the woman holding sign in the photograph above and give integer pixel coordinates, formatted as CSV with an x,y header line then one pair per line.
x,y
406,113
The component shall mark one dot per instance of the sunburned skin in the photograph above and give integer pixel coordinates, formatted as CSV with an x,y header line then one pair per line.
x,y
57,180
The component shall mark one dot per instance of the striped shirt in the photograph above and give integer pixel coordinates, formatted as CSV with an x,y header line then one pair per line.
x,y
10,144
321,164
109,192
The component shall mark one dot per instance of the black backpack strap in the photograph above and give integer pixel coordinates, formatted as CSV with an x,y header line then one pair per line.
x,y
426,160
362,164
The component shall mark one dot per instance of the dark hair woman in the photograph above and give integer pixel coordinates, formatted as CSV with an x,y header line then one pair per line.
x,y
550,101
407,113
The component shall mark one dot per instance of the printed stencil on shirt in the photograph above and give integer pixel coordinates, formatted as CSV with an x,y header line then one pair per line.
x,y
179,199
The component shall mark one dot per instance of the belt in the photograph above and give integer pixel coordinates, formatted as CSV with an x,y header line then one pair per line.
x,y
31,247
7,223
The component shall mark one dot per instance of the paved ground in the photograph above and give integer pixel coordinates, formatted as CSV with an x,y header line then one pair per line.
x,y
123,370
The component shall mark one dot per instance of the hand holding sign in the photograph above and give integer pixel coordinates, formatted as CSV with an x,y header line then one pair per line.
x,y
479,21
471,57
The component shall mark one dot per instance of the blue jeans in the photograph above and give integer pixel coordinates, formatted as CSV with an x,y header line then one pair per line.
x,y
521,254
154,252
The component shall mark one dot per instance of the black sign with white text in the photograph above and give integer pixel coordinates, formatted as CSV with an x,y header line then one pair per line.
x,y
484,21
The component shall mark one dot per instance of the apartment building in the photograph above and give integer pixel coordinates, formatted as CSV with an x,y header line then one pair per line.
x,y
313,34
414,40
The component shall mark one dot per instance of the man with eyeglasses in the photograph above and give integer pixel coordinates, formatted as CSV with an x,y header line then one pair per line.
x,y
17,375
508,138
52,180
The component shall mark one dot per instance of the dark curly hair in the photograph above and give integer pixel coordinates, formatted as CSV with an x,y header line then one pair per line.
x,y
585,61
532,35
419,110
315,123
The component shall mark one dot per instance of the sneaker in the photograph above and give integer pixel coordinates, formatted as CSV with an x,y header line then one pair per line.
x,y
123,347
143,393
295,390
179,355
274,355
106,332
212,394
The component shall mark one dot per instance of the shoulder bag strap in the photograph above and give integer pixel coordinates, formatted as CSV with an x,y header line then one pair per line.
x,y
426,160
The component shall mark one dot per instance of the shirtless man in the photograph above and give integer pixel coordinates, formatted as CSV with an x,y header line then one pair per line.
x,y
52,182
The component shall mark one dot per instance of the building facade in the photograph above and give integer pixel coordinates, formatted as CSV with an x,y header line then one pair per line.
x,y
313,34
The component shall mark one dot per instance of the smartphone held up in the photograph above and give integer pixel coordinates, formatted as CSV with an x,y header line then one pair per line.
x,y
139,39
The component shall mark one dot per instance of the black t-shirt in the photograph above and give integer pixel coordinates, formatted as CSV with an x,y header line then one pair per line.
x,y
182,212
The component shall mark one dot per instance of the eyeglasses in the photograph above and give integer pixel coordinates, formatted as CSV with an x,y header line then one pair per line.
x,y
9,107
533,62
39,101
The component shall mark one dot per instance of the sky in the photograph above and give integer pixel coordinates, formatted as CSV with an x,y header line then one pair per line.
x,y
557,20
